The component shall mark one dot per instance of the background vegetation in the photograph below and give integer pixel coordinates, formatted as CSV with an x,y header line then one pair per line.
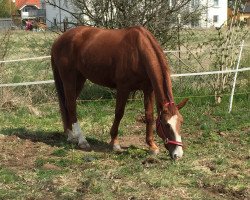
x,y
6,8
199,53
36,162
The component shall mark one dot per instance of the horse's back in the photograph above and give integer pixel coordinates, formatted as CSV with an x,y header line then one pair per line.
x,y
103,56
88,39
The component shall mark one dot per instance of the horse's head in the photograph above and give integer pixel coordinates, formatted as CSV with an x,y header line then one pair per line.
x,y
168,127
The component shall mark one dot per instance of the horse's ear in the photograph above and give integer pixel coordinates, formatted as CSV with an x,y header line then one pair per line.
x,y
182,103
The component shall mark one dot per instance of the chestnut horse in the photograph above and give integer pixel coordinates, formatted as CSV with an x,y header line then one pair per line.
x,y
124,59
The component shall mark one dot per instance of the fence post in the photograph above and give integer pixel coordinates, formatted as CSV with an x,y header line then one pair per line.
x,y
235,77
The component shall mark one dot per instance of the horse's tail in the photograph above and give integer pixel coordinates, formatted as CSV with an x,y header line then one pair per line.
x,y
60,93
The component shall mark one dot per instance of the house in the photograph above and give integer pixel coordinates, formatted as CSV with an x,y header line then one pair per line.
x,y
56,13
243,14
216,13
213,13
31,9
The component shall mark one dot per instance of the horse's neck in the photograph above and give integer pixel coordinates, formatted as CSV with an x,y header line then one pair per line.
x,y
157,67
163,91
161,84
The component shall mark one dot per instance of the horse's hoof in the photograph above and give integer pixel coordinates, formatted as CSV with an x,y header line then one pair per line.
x,y
117,148
154,151
72,139
85,146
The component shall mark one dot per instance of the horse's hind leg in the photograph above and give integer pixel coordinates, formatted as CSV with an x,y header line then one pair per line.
x,y
72,88
121,100
149,115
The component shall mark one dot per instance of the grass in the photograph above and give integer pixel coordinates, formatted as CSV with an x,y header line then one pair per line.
x,y
37,161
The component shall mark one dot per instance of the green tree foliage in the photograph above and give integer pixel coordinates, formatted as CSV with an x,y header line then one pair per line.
x,y
5,8
234,4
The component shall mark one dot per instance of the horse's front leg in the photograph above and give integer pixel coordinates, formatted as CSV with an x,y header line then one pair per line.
x,y
72,88
121,100
149,118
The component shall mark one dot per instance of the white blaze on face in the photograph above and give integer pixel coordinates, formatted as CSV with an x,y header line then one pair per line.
x,y
178,152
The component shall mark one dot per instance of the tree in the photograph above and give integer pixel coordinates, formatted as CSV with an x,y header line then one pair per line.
x,y
6,8
159,16
233,3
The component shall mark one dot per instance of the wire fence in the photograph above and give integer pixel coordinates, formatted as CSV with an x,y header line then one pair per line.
x,y
39,87
172,75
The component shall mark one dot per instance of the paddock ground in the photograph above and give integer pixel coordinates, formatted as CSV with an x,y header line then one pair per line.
x,y
37,162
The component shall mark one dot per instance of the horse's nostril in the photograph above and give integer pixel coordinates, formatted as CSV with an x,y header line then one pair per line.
x,y
175,157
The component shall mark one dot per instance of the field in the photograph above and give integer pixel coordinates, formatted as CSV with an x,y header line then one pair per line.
x,y
37,162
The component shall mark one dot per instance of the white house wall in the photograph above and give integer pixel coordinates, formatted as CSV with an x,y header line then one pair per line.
x,y
213,10
53,12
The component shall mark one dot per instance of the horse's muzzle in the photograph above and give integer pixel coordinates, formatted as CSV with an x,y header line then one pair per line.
x,y
177,153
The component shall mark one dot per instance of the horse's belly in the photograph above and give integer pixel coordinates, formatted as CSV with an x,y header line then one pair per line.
x,y
102,82
106,69
99,75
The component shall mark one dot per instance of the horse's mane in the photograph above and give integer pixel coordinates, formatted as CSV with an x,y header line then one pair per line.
x,y
161,59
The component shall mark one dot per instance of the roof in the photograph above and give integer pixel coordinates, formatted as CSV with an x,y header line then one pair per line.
x,y
21,3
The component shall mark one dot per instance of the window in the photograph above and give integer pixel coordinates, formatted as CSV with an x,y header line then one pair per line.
x,y
195,23
216,2
195,3
215,18
42,4
28,8
54,20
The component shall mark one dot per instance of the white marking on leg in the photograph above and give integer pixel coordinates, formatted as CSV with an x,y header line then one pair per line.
x,y
82,142
76,135
71,136
178,151
117,147
77,130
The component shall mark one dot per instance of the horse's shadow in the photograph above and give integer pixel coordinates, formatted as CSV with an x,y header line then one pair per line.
x,y
57,139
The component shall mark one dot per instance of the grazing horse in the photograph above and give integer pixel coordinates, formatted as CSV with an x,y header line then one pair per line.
x,y
123,59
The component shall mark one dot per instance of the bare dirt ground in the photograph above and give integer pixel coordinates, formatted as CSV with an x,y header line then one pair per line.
x,y
21,153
